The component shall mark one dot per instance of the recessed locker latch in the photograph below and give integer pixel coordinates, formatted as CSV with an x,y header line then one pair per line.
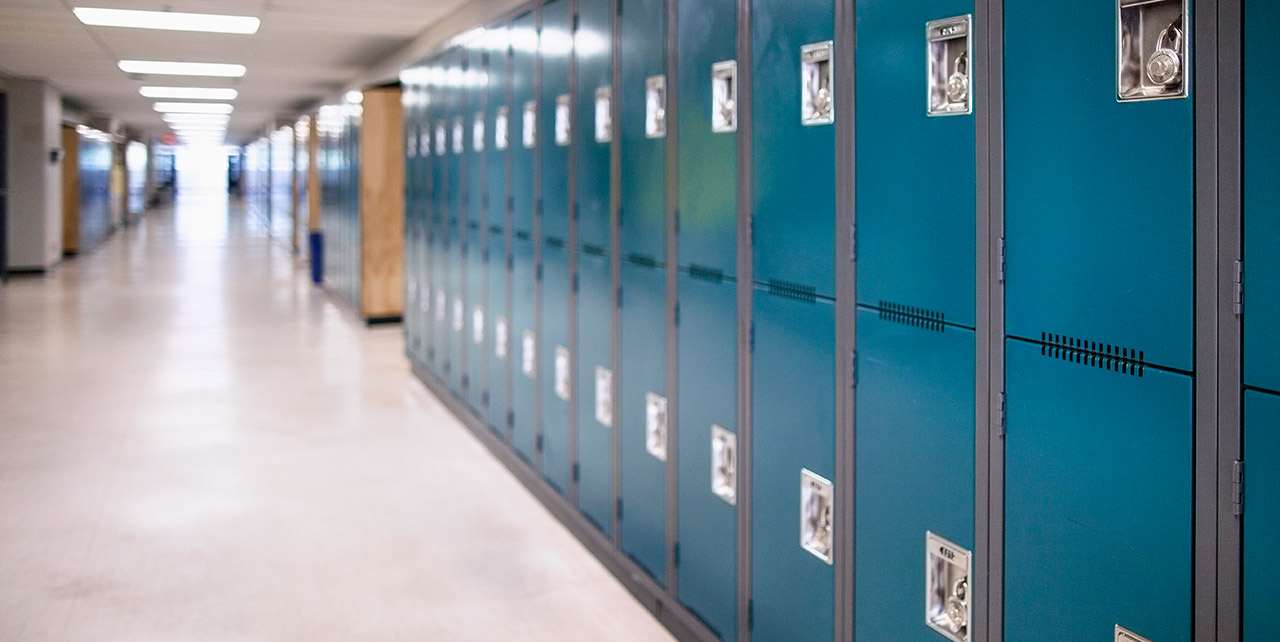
x,y
562,120
655,106
655,425
817,95
604,396
724,464
562,373
500,337
950,49
604,114
1125,635
948,609
501,128
530,134
528,356
816,515
724,96
477,132
1152,49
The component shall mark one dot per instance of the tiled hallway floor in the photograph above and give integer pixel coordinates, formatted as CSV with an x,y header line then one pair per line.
x,y
197,445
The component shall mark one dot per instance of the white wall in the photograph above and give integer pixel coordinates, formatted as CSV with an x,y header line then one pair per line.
x,y
35,184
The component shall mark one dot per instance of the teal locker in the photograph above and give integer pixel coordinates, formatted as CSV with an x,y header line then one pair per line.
x,y
522,120
523,351
555,365
1261,200
594,132
596,409
1262,514
642,96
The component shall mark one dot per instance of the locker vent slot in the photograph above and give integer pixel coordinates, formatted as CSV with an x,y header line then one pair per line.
x,y
706,274
593,250
523,236
1130,361
913,316
554,241
806,293
641,259
496,229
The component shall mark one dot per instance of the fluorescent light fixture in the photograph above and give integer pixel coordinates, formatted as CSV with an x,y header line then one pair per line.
x,y
169,20
189,93
188,119
194,108
354,97
156,67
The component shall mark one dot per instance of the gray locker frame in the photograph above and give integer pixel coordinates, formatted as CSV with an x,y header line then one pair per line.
x,y
671,202
574,137
540,128
746,327
844,39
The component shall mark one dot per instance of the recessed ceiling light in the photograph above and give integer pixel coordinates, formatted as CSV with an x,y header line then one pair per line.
x,y
169,20
190,93
155,67
188,119
194,108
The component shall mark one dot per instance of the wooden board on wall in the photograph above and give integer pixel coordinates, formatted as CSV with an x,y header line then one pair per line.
x,y
70,190
382,203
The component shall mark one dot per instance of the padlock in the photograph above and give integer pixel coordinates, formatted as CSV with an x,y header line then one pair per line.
x,y
1164,67
958,81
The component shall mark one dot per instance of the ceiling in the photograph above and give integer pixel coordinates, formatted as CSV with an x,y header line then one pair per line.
x,y
306,51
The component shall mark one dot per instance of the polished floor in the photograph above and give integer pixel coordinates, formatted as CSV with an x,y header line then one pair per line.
x,y
198,445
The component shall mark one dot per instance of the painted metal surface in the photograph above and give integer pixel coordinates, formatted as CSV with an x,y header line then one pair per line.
x,y
496,318
555,46
644,327
594,52
1262,514
524,47
793,430
523,386
595,350
915,465
794,164
707,381
1099,197
1261,199
642,55
477,353
1098,499
708,160
556,285
916,204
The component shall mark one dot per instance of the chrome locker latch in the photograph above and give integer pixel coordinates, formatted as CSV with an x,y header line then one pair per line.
x,y
477,132
724,465
655,425
500,337
655,106
604,114
562,120
816,515
530,138
950,49
501,128
562,372
724,96
1152,49
604,396
948,608
816,91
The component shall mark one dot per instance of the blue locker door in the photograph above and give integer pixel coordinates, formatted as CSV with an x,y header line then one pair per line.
x,y
595,71
1098,498
916,229
915,464
1099,213
524,46
643,379
498,333
794,164
522,352
555,364
794,408
708,517
708,149
642,56
1262,514
1261,199
455,317
556,42
595,353
475,320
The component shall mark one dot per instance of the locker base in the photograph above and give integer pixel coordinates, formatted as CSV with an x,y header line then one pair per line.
x,y
679,621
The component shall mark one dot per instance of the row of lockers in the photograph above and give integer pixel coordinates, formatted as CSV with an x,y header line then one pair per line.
x,y
659,267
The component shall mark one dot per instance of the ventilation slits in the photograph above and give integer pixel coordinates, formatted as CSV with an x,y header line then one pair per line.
x,y
1106,356
913,316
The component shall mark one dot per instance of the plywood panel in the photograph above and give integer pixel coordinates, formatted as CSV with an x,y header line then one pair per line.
x,y
313,176
70,190
382,204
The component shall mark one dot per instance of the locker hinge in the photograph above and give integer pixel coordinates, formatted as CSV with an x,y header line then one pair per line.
x,y
751,614
511,203
539,206
752,334
575,21
537,443
853,368
751,232
619,7
675,553
853,242
484,397
575,203
466,382
1239,294
1002,259
618,509
618,298
485,254
511,419
575,471
1000,413
677,217
677,313
1237,487
511,262
539,271
575,283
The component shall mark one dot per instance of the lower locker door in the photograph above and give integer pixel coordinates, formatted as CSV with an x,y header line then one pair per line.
x,y
498,332
1098,500
793,454
455,316
554,365
915,475
523,351
1262,515
475,318
438,347
642,417
707,442
595,390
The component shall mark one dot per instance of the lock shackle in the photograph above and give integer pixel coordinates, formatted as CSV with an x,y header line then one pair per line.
x,y
1171,37
961,64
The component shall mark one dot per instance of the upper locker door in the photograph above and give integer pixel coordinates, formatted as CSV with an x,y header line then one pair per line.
x,y
1261,318
793,460
1099,273
706,374
474,145
497,148
916,224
